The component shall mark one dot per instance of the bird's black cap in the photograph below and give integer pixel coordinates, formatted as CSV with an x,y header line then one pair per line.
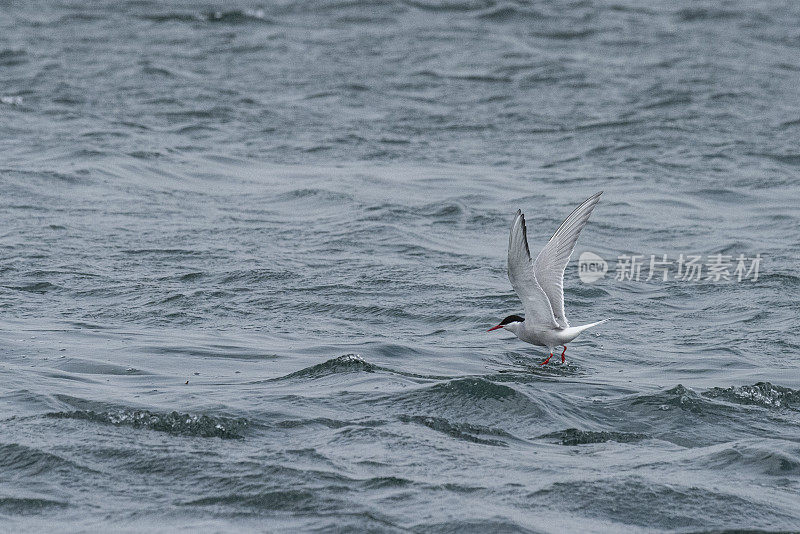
x,y
511,319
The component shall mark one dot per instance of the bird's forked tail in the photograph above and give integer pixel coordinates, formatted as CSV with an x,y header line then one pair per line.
x,y
573,331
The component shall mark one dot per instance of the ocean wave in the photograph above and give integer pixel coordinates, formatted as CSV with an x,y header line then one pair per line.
x,y
28,461
446,6
234,16
510,13
770,457
759,394
11,100
327,422
35,287
475,401
29,505
349,363
174,422
573,436
289,500
475,388
666,504
463,431
12,57
703,14
677,397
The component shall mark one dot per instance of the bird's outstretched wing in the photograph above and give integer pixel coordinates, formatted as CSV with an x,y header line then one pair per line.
x,y
522,277
552,260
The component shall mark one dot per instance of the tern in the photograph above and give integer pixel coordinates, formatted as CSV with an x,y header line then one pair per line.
x,y
539,283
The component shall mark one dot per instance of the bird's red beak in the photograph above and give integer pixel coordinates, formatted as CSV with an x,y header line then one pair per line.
x,y
495,327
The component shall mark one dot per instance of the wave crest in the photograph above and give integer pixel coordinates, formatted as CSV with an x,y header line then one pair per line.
x,y
573,436
463,431
174,423
759,394
349,363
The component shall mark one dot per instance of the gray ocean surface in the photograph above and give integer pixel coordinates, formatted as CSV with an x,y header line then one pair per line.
x,y
249,253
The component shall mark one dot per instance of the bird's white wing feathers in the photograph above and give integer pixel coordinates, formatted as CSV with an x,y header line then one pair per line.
x,y
522,277
549,266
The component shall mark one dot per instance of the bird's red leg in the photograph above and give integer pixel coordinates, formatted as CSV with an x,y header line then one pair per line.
x,y
562,353
547,360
